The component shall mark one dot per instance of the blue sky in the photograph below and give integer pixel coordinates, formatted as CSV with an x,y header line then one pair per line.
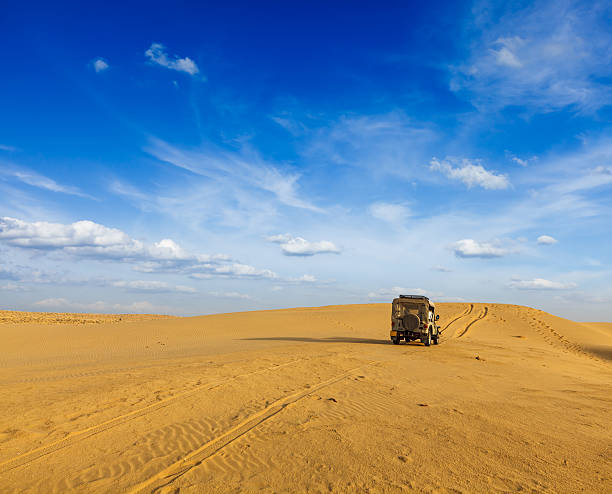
x,y
197,159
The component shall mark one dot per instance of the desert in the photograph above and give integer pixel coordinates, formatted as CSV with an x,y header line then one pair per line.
x,y
513,399
306,247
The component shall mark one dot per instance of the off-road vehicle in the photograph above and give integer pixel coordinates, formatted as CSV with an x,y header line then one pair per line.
x,y
413,317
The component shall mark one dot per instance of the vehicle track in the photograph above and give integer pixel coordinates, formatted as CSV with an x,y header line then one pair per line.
x,y
554,338
73,437
483,313
196,457
466,312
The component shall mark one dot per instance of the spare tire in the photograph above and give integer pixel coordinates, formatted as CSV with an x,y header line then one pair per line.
x,y
411,322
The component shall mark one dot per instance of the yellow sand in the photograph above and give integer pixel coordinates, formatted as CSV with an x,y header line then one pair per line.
x,y
305,400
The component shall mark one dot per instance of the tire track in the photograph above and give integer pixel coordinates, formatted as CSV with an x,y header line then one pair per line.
x,y
554,338
73,437
466,312
480,317
349,402
179,468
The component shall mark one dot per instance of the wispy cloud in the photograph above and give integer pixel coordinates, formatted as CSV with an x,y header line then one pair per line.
x,y
441,269
393,292
243,167
10,149
298,246
34,179
470,172
152,286
544,56
234,295
100,306
157,54
540,284
384,144
390,212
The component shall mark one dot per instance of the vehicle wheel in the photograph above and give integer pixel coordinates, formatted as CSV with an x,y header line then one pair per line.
x,y
395,340
427,339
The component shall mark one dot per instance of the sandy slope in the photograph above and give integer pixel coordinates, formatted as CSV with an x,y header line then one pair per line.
x,y
313,400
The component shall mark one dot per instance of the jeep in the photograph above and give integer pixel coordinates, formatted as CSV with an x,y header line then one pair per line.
x,y
413,317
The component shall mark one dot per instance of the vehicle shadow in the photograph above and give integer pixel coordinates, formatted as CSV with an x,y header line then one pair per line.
x,y
332,339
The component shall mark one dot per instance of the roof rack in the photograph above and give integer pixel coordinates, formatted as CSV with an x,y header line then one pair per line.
x,y
419,297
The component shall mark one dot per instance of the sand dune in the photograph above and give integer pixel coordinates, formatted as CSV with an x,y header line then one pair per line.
x,y
307,399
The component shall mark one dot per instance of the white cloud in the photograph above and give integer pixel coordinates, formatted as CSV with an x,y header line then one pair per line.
x,y
384,144
152,286
4,147
298,246
12,287
546,240
100,65
469,173
100,306
392,213
91,240
307,278
396,291
237,295
281,238
505,54
545,56
80,238
234,169
157,54
524,162
36,180
442,269
243,270
540,284
471,248
519,161
290,125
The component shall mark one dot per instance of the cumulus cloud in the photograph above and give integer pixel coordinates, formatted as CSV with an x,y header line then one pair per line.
x,y
389,212
396,291
91,240
99,65
546,240
540,284
81,237
470,173
298,246
471,248
306,278
157,54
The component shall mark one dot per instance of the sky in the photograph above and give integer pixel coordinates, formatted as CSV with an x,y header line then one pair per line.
x,y
191,158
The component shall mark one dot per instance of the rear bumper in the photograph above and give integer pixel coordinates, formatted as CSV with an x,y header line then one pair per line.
x,y
394,332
